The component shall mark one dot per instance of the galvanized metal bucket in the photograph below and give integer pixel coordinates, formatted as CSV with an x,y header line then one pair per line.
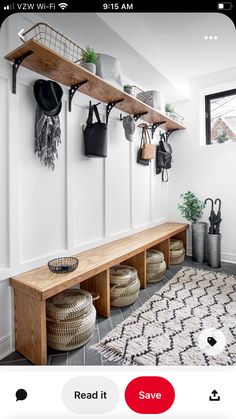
x,y
199,242
214,250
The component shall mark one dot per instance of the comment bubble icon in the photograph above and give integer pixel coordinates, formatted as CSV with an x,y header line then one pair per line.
x,y
21,394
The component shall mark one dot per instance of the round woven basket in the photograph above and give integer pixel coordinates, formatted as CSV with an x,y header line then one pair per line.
x,y
69,305
154,256
177,256
155,272
156,267
125,285
122,274
176,244
71,319
176,253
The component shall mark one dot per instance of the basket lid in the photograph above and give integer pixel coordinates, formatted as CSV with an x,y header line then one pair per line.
x,y
122,274
68,304
154,255
176,244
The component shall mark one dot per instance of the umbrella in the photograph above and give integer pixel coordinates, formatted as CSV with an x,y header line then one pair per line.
x,y
218,217
212,217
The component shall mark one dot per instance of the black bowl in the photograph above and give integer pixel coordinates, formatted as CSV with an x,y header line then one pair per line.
x,y
63,265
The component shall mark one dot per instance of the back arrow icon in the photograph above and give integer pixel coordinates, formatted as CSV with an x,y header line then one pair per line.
x,y
20,35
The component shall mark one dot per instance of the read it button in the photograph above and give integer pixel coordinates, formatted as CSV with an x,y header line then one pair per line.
x,y
90,395
149,395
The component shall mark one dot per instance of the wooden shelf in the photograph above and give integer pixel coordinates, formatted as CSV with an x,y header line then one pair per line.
x,y
52,65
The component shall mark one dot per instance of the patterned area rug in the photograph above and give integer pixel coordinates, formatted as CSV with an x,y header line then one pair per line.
x,y
166,329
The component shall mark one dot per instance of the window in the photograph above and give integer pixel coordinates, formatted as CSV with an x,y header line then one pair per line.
x,y
220,111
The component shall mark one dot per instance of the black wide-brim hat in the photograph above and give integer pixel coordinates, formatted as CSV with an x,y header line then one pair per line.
x,y
48,95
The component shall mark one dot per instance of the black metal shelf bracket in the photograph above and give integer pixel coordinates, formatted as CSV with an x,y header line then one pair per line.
x,y
154,126
168,133
73,90
138,115
15,67
110,106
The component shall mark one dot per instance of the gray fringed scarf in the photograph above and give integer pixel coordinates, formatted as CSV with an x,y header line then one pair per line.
x,y
47,137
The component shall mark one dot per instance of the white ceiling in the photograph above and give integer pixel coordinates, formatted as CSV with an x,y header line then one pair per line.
x,y
174,43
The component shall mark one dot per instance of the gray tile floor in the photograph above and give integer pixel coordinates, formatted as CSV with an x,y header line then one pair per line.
x,y
85,356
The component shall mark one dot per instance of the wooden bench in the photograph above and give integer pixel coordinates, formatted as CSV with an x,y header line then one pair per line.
x,y
33,288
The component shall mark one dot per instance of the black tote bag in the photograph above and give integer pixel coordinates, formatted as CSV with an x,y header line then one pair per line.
x,y
95,135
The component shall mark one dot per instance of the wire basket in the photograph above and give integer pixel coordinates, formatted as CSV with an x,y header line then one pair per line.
x,y
63,265
153,98
56,41
176,117
140,94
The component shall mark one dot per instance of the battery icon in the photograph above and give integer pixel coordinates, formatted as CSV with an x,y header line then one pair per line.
x,y
224,6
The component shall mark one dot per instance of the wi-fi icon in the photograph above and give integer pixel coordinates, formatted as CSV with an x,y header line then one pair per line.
x,y
63,6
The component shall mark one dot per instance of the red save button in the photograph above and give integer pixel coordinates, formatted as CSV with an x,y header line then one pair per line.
x,y
149,395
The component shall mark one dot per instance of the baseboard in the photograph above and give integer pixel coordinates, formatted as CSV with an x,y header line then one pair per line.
x,y
228,257
225,257
5,346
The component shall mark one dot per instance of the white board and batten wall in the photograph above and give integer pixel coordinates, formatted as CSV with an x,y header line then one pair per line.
x,y
81,204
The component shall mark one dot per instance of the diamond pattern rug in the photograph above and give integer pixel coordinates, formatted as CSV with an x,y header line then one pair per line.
x,y
166,329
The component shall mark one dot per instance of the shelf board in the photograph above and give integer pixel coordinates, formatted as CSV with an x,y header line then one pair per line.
x,y
52,65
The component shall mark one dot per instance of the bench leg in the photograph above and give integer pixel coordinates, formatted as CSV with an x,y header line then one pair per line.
x,y
30,327
164,247
139,263
100,284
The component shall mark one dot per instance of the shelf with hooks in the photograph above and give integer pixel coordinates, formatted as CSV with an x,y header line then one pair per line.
x,y
42,60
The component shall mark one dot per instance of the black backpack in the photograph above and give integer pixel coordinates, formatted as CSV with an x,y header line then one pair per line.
x,y
163,158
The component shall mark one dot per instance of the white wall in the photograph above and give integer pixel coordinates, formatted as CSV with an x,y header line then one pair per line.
x,y
208,171
82,204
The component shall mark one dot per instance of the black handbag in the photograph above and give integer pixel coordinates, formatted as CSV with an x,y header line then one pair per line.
x,y
95,135
140,160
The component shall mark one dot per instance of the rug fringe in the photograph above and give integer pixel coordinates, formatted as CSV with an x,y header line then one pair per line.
x,y
110,354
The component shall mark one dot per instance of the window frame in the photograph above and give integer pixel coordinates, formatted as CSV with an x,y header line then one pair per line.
x,y
208,99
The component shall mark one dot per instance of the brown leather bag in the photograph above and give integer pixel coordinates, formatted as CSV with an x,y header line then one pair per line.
x,y
148,149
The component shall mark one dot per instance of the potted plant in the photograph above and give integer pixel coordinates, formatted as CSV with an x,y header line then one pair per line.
x,y
169,109
89,58
128,89
192,208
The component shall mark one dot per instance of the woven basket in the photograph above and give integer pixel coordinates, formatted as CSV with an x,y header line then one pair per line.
x,y
153,98
155,272
176,253
154,256
177,256
69,305
70,319
176,244
156,266
125,285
